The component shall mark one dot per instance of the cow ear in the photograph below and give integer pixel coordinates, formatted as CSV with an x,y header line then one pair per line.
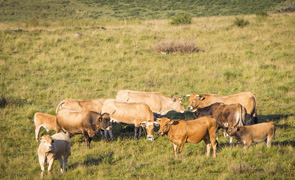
x,y
159,120
201,98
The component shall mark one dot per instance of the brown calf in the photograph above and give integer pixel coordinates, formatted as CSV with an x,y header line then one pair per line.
x,y
194,131
85,122
254,133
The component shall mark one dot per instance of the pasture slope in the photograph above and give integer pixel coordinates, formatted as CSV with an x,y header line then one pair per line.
x,y
42,64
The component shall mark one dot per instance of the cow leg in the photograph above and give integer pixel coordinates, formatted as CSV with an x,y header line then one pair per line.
x,y
61,163
208,145
139,132
180,149
111,133
175,150
103,133
68,133
42,165
247,144
37,131
86,137
230,140
50,162
268,140
65,162
135,132
214,143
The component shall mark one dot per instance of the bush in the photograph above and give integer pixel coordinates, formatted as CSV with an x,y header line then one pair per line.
x,y
170,46
240,22
261,14
181,19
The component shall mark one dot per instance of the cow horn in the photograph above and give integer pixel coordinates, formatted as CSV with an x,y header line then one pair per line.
x,y
188,95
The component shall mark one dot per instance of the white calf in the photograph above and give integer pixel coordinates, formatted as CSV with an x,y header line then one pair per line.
x,y
54,147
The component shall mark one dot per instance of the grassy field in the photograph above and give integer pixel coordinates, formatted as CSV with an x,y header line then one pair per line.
x,y
29,10
42,64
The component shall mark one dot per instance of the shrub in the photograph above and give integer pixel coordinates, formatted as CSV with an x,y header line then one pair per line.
x,y
240,22
3,102
170,46
33,22
261,14
181,19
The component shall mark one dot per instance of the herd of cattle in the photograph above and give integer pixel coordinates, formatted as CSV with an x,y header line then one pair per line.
x,y
235,114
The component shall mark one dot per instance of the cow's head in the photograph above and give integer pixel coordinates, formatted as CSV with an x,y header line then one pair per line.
x,y
177,104
103,121
233,130
48,143
194,101
149,129
165,124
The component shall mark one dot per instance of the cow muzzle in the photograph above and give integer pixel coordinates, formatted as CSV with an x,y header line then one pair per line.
x,y
190,108
161,133
150,138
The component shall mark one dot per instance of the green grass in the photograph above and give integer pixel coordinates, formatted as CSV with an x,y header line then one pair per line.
x,y
44,64
30,10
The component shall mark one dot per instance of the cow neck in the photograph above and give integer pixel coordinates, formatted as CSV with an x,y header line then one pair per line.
x,y
169,128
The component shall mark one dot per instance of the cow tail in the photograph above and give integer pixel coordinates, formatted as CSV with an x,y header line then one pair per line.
x,y
255,118
59,106
274,132
240,121
254,115
243,115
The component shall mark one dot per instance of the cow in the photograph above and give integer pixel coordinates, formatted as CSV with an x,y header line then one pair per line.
x,y
246,99
181,131
138,114
254,133
54,147
47,121
226,115
158,102
94,105
85,122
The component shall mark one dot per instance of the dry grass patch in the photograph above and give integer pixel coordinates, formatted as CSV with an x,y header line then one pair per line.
x,y
172,46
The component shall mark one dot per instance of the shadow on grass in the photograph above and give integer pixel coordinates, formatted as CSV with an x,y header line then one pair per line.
x,y
94,161
284,143
273,117
123,132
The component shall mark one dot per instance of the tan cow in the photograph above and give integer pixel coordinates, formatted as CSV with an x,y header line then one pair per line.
x,y
158,102
254,133
246,99
85,122
54,147
194,131
94,105
47,121
138,114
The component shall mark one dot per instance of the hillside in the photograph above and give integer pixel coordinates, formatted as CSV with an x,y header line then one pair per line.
x,y
15,10
45,62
